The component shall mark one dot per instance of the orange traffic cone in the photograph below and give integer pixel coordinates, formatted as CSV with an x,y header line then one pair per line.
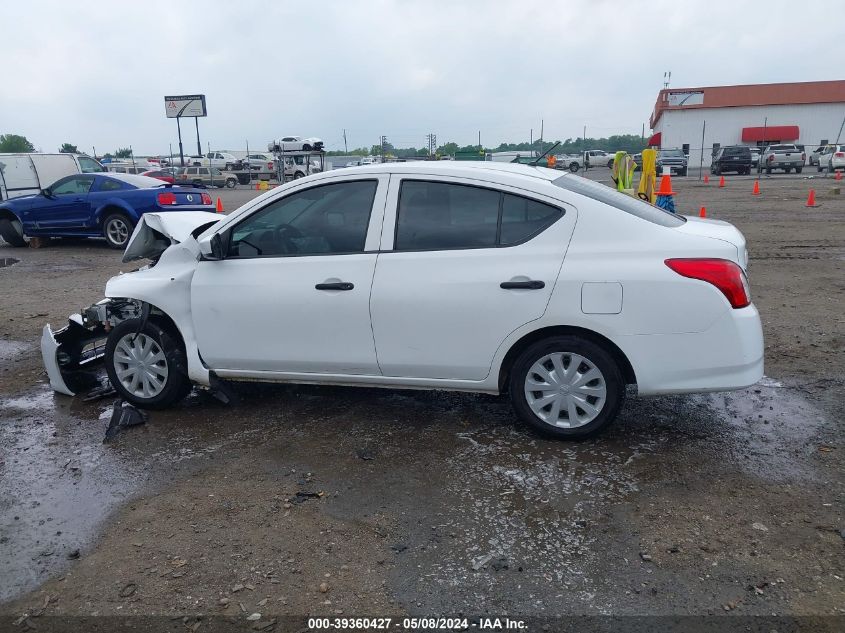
x,y
721,182
702,213
811,199
756,190
706,179
838,175
665,186
219,205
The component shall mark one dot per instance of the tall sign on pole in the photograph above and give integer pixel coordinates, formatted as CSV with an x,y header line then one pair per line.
x,y
179,106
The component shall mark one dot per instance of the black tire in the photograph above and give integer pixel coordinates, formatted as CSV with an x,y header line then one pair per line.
x,y
610,164
595,354
574,167
768,171
197,183
231,183
798,170
10,234
718,170
306,148
787,170
228,167
117,229
819,168
298,175
176,383
683,172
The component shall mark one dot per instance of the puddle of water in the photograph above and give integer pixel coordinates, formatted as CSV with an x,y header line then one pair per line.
x,y
12,349
5,262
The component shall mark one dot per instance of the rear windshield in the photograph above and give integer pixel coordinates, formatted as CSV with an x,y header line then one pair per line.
x,y
618,200
737,151
783,148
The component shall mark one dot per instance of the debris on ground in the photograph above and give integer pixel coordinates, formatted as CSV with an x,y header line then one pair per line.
x,y
102,390
481,561
366,453
302,497
124,415
128,590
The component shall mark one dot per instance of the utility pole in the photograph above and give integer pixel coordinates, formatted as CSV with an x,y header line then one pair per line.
x,y
531,138
383,147
345,148
479,140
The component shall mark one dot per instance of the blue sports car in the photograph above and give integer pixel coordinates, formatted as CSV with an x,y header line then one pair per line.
x,y
94,205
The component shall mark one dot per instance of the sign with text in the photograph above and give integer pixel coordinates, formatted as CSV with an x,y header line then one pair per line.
x,y
185,106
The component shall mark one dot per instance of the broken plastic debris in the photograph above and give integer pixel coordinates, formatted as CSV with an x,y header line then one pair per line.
x,y
123,415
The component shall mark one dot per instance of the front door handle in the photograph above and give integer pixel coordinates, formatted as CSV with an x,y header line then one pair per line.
x,y
337,285
522,285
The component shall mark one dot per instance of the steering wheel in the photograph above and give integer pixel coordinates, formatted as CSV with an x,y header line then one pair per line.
x,y
284,235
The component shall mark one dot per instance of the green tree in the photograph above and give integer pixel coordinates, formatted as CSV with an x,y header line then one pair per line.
x,y
447,148
123,152
15,143
68,148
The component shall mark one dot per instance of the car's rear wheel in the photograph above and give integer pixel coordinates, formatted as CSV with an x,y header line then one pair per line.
x,y
146,368
298,175
566,387
11,233
117,228
798,170
573,167
231,182
306,148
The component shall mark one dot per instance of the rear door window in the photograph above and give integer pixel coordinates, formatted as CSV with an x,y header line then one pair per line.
x,y
444,216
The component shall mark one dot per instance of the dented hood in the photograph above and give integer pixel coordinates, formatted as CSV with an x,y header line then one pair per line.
x,y
158,231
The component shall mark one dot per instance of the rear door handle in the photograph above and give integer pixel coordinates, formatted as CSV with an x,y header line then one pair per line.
x,y
523,285
337,285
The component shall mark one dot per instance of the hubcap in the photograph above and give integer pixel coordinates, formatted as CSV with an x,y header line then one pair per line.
x,y
140,365
118,231
565,390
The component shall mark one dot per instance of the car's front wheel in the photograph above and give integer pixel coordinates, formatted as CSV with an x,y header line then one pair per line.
x,y
574,167
117,228
231,182
567,387
146,364
9,231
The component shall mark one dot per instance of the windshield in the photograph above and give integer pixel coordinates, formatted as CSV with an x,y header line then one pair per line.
x,y
672,153
618,200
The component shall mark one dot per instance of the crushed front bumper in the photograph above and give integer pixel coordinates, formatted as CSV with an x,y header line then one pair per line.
x,y
70,353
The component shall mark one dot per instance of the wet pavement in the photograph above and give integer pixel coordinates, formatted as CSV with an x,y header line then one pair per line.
x,y
477,511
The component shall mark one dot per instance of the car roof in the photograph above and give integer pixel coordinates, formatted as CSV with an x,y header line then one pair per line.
x,y
142,182
465,169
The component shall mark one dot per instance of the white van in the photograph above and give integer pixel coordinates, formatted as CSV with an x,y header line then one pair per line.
x,y
25,174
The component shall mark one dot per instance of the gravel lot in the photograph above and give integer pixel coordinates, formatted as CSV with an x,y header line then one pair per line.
x,y
436,503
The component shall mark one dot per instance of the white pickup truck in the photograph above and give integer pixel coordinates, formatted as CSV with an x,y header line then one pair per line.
x,y
598,158
785,157
220,160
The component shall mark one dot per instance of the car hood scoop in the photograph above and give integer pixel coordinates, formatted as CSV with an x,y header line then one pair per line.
x,y
156,232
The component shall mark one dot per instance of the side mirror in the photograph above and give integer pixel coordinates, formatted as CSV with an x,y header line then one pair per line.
x,y
47,193
214,246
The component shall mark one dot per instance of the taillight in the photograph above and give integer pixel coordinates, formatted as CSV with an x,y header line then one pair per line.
x,y
771,157
168,197
803,156
840,154
722,273
206,199
270,166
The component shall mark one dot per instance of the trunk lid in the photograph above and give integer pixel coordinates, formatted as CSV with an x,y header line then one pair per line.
x,y
718,230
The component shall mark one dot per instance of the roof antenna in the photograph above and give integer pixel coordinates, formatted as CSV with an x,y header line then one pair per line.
x,y
544,153
667,77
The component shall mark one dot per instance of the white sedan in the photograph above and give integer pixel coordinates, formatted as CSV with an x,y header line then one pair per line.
x,y
295,144
485,277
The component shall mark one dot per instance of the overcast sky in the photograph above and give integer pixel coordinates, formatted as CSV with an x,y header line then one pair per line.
x,y
95,73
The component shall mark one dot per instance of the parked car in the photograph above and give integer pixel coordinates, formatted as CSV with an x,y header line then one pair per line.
x,y
209,176
295,144
814,155
572,162
785,157
732,158
219,160
597,157
94,205
674,159
832,158
28,173
466,276
127,168
161,174
755,155
260,162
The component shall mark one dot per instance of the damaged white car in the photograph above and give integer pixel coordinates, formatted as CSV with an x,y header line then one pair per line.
x,y
484,277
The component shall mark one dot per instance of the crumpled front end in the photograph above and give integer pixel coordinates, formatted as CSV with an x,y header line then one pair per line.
x,y
71,354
